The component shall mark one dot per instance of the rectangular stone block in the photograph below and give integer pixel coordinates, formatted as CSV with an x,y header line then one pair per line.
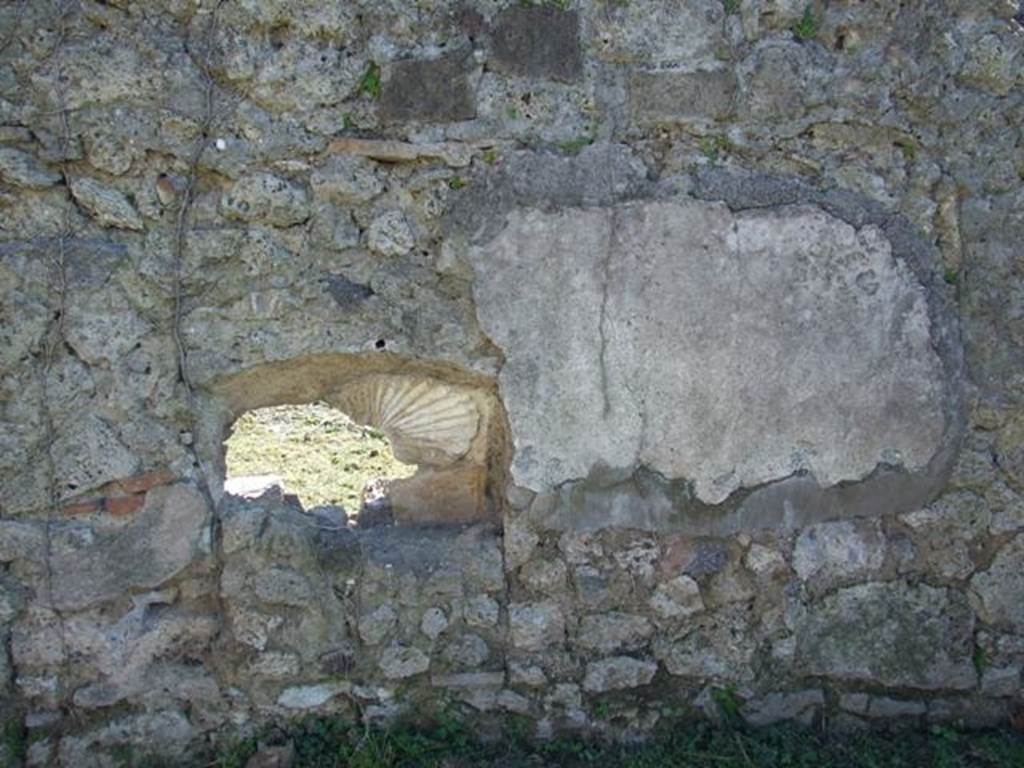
x,y
538,41
431,90
681,96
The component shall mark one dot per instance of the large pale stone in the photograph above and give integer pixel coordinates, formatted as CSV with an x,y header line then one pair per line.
x,y
90,454
610,632
398,662
903,635
311,696
728,349
617,673
90,566
677,598
265,198
534,626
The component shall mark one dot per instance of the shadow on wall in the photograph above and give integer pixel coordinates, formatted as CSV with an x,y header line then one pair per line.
x,y
447,421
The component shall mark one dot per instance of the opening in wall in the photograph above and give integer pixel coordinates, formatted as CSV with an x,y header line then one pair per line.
x,y
366,439
319,457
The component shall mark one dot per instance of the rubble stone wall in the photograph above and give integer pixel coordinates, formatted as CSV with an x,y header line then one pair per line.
x,y
704,320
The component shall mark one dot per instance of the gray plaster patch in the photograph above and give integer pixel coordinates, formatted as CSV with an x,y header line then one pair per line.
x,y
731,349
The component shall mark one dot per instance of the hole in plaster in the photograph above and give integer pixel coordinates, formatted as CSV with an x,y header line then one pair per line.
x,y
319,458
381,344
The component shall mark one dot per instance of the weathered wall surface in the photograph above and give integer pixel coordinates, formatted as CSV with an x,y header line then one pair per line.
x,y
710,319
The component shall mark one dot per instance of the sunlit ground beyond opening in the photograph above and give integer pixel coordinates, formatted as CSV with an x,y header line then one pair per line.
x,y
319,453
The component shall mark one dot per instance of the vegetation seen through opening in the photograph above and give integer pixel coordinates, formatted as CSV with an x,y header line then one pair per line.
x,y
319,453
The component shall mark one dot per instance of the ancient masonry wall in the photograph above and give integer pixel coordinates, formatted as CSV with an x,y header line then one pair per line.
x,y
704,321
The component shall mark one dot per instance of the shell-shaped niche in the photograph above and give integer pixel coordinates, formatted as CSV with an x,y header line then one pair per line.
x,y
427,422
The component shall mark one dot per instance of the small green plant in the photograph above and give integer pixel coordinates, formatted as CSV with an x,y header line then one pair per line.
x,y
601,710
908,148
235,754
729,704
731,7
490,156
443,740
951,276
15,743
517,730
369,84
512,113
713,147
979,658
945,747
807,27
457,182
574,146
562,5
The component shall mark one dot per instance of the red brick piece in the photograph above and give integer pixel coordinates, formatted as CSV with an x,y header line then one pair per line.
x,y
88,507
122,506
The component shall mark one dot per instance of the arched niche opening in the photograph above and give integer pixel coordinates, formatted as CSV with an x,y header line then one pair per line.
x,y
319,459
446,421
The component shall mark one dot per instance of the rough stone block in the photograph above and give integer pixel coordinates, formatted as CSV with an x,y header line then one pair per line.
x,y
892,633
267,199
434,90
677,598
105,204
682,96
346,179
535,626
606,633
829,552
618,673
90,454
398,662
23,170
311,696
538,41
719,648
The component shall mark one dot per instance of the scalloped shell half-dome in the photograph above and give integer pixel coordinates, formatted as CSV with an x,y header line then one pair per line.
x,y
427,422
